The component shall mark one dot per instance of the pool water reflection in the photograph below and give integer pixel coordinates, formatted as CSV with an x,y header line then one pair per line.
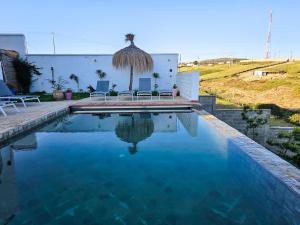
x,y
143,168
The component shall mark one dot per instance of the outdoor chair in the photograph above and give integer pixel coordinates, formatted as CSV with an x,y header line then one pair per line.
x,y
165,93
6,94
102,89
144,87
4,104
125,93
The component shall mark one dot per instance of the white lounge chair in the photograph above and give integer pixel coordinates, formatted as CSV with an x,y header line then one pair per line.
x,y
165,93
6,94
4,104
144,87
102,89
125,93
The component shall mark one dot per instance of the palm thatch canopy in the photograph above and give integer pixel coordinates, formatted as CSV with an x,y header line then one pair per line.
x,y
134,130
132,57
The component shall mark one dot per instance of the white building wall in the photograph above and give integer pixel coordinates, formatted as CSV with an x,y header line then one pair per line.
x,y
85,66
14,42
188,85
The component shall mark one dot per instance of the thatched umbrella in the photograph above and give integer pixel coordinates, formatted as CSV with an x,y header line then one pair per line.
x,y
133,58
134,131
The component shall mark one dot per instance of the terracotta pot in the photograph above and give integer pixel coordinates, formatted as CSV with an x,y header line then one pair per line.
x,y
68,95
174,92
58,95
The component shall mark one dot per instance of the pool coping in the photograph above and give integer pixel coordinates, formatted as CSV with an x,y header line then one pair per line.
x,y
278,167
7,134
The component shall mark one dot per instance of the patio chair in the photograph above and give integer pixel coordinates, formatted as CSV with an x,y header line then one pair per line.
x,y
4,104
144,87
102,89
6,94
165,93
125,93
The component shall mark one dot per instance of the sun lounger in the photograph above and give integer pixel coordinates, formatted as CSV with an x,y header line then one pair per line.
x,y
144,87
165,93
4,104
126,93
6,94
102,89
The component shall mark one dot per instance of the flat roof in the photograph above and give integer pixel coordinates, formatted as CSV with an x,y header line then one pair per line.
x,y
93,54
4,34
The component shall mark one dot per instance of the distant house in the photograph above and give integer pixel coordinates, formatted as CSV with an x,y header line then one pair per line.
x,y
260,73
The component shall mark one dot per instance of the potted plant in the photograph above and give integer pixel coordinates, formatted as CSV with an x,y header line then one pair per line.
x,y
75,78
68,94
155,76
58,87
174,90
100,74
112,91
90,88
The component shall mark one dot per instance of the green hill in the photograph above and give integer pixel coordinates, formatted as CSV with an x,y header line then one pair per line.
x,y
236,83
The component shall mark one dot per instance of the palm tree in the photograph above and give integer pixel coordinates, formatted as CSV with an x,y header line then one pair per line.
x,y
133,58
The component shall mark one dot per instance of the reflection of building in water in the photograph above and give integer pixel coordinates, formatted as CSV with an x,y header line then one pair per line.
x,y
163,122
27,143
8,186
190,122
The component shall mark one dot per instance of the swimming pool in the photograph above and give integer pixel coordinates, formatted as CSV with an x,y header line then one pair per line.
x,y
137,168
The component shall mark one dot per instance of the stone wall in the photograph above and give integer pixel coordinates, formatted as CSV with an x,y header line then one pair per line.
x,y
233,117
208,102
9,74
275,130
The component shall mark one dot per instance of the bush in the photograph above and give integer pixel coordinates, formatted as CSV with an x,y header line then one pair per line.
x,y
294,119
275,110
24,73
296,133
284,135
291,146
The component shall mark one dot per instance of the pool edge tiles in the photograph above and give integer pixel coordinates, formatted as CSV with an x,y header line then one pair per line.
x,y
27,126
281,169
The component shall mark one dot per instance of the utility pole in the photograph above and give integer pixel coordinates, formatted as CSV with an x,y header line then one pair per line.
x,y
53,42
269,38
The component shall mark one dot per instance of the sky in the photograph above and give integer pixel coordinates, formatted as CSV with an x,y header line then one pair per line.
x,y
195,29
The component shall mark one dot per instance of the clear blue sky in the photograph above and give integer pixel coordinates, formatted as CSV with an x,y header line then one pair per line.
x,y
194,28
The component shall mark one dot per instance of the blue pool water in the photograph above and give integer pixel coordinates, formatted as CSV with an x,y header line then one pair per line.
x,y
137,169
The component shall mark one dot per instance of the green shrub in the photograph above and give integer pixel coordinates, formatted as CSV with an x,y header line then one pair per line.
x,y
294,119
284,135
291,146
296,133
275,110
25,72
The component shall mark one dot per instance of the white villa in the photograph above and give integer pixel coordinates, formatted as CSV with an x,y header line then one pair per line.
x,y
84,66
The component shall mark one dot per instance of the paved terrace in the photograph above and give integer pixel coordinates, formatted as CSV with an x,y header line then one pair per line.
x,y
36,114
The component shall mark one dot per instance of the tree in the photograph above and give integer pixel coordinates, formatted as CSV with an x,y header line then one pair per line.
x,y
25,71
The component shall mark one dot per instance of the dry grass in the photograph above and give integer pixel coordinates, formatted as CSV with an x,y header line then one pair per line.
x,y
241,88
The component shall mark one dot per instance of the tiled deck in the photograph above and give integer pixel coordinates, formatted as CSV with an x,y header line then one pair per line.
x,y
36,114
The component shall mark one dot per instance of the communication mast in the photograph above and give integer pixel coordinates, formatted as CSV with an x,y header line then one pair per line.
x,y
269,38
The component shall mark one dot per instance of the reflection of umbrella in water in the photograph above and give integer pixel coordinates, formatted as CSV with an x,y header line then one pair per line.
x,y
134,131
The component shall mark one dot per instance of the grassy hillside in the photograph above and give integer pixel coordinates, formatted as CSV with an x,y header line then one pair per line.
x,y
237,84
